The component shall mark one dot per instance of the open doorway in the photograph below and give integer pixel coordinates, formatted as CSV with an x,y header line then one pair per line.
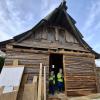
x,y
57,61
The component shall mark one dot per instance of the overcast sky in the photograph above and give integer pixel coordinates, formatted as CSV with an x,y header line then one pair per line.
x,y
17,16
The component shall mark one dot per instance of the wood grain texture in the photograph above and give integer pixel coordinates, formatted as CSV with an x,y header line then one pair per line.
x,y
79,68
80,74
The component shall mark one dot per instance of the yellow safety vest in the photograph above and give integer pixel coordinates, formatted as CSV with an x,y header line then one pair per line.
x,y
52,78
60,77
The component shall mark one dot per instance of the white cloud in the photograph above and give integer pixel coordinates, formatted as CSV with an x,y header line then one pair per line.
x,y
47,6
89,38
4,36
93,13
91,26
12,22
8,23
19,16
97,47
97,26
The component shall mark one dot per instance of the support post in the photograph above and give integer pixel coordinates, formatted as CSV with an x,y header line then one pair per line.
x,y
15,62
40,82
44,82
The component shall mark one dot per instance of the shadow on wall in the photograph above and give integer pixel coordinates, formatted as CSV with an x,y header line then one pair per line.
x,y
2,60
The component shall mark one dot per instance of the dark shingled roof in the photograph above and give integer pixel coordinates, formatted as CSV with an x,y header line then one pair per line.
x,y
60,17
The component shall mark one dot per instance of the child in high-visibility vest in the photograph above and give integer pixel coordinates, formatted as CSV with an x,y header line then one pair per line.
x,y
60,83
52,83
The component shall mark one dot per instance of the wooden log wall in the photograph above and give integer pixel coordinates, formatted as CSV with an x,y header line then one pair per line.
x,y
98,78
79,68
80,74
31,59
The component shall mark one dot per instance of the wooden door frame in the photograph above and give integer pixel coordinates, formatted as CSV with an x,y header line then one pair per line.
x,y
63,57
64,71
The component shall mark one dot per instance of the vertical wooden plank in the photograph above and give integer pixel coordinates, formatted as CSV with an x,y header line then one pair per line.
x,y
1,90
35,87
9,96
15,62
44,33
30,90
57,34
39,84
96,78
44,82
42,88
64,74
21,89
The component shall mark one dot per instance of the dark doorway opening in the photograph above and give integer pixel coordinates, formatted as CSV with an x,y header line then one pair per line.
x,y
57,61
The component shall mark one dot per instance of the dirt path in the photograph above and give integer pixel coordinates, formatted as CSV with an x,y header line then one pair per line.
x,y
90,97
62,96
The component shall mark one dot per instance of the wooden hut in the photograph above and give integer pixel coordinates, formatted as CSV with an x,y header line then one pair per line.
x,y
55,40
